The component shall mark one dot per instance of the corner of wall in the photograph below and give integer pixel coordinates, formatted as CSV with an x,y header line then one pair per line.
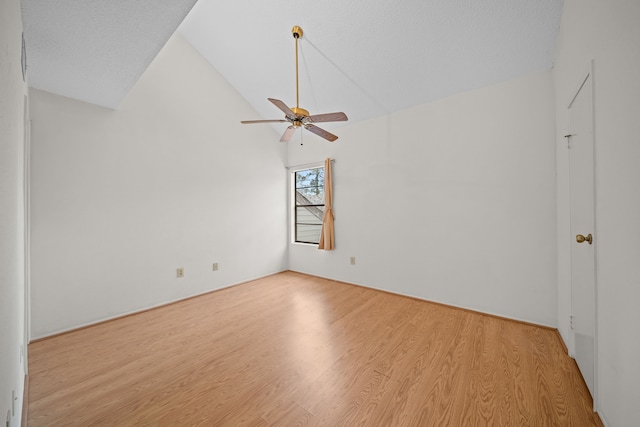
x,y
12,217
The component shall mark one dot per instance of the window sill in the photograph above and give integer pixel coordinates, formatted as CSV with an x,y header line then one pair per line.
x,y
305,244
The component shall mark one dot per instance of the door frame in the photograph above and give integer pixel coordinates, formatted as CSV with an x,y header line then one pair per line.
x,y
27,234
586,77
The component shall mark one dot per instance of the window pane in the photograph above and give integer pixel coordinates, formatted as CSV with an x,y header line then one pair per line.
x,y
310,186
310,196
308,233
310,177
309,204
309,214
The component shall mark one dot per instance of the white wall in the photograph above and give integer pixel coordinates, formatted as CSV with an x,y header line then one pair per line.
x,y
607,33
120,199
452,201
12,224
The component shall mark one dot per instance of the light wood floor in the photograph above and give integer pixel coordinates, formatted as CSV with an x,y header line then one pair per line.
x,y
294,350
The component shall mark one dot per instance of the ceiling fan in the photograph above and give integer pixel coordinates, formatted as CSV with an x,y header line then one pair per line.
x,y
299,117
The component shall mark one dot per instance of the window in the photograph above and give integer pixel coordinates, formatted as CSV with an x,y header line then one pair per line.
x,y
308,207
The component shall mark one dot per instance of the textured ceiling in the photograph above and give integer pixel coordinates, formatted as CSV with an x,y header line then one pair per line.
x,y
95,50
368,58
363,58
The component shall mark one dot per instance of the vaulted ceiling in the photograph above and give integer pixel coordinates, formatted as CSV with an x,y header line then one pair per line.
x,y
94,50
364,58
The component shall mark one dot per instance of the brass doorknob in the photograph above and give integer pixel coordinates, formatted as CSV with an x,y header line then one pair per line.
x,y
580,238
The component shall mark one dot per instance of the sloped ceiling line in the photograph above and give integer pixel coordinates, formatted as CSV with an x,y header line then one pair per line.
x,y
364,59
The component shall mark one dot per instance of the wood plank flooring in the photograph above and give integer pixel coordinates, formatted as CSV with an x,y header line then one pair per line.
x,y
295,350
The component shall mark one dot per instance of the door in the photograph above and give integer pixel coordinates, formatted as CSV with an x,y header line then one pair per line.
x,y
581,181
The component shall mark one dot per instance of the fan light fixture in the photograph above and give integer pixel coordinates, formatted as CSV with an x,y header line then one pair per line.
x,y
299,117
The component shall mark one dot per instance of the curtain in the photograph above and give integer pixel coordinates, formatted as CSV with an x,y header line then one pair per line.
x,y
327,235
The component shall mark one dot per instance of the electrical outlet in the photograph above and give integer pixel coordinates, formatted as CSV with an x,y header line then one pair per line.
x,y
215,266
352,260
180,272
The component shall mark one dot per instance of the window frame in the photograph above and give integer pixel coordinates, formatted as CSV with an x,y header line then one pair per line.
x,y
292,198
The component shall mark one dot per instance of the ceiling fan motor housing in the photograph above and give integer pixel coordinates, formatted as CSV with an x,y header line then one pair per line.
x,y
300,111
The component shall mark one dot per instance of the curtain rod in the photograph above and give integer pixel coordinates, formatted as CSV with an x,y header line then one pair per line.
x,y
309,164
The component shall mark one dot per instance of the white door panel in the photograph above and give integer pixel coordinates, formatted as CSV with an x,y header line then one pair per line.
x,y
581,157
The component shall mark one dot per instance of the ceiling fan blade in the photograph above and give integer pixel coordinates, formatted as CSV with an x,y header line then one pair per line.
x,y
247,122
288,133
328,117
282,106
321,132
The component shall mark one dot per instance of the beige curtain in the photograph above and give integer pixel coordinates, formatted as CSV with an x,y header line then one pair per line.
x,y
327,235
